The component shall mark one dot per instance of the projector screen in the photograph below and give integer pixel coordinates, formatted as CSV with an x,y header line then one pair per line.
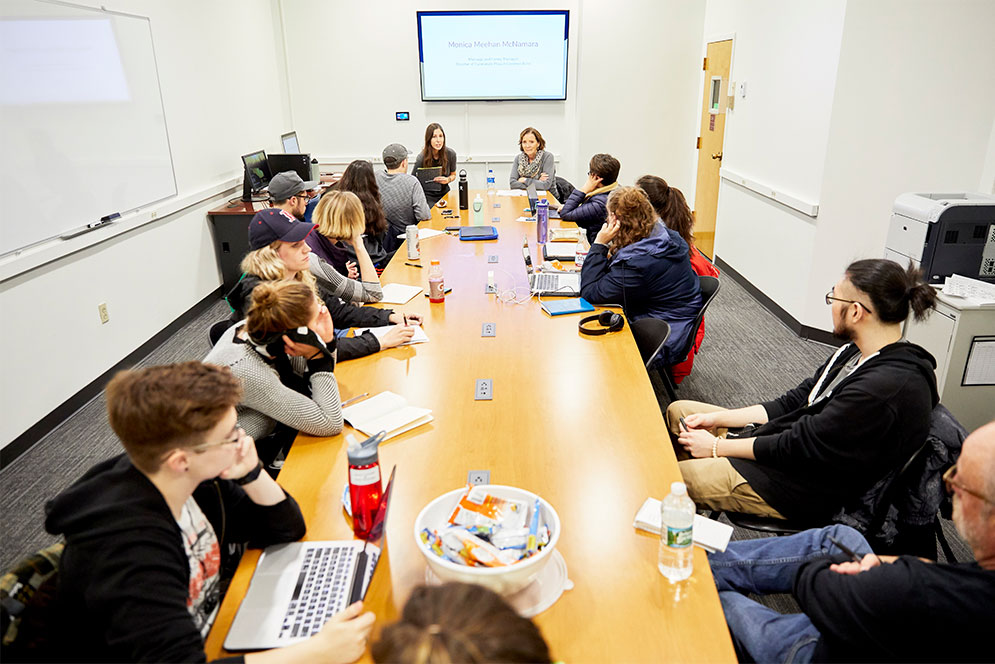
x,y
493,55
83,133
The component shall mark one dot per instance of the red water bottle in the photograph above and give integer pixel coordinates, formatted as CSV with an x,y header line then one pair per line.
x,y
365,489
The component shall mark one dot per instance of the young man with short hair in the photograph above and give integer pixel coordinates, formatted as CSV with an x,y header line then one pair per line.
x,y
146,531
289,193
401,195
587,206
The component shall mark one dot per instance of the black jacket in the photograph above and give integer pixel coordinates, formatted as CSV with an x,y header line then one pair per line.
x,y
813,459
906,611
344,316
124,576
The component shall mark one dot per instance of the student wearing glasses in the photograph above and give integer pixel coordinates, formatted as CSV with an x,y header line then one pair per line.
x,y
823,444
866,607
147,533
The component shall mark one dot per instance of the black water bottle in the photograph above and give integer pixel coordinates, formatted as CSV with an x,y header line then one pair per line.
x,y
464,191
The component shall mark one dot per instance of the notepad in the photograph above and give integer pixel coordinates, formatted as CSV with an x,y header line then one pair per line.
x,y
399,293
385,412
569,305
419,338
423,234
709,534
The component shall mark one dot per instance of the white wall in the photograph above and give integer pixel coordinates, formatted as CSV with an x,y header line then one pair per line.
x,y
896,99
216,110
633,72
913,111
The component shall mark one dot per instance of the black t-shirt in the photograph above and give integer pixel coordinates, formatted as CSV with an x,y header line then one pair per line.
x,y
908,611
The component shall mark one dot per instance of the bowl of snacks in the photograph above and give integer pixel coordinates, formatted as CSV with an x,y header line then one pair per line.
x,y
496,536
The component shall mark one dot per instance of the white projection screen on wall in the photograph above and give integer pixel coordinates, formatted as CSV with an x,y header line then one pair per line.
x,y
493,55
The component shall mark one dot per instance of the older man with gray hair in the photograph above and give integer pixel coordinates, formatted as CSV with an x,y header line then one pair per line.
x,y
859,606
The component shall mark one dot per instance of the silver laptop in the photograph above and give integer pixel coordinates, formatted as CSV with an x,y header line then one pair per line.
x,y
563,284
296,587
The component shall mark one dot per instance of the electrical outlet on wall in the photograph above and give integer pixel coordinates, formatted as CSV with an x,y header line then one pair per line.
x,y
102,310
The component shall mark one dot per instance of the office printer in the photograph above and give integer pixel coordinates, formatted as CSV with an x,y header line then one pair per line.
x,y
943,234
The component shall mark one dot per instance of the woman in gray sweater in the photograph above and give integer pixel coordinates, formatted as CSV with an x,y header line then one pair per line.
x,y
533,165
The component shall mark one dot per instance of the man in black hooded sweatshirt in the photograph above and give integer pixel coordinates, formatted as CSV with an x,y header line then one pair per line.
x,y
827,441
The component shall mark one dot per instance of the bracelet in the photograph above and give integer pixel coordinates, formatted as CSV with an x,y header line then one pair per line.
x,y
250,476
715,448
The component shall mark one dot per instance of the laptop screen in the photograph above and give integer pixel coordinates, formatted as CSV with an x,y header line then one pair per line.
x,y
533,198
290,145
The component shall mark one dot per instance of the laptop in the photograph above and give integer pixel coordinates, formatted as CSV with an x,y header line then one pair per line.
x,y
550,284
290,144
534,200
298,586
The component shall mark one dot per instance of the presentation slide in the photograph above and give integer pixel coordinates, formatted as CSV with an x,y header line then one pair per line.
x,y
493,55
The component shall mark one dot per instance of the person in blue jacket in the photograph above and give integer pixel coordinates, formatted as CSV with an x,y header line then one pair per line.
x,y
586,206
642,266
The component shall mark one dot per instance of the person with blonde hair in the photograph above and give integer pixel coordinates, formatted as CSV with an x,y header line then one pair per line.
x,y
283,354
459,622
643,267
280,252
340,225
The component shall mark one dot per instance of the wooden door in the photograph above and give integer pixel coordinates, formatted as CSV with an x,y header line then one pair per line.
x,y
713,124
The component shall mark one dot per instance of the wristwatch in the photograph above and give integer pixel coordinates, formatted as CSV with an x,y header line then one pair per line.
x,y
250,476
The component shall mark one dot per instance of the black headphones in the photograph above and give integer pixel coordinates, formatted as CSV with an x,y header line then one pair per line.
x,y
609,321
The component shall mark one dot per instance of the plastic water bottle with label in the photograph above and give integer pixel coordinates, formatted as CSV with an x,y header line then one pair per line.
x,y
491,183
676,536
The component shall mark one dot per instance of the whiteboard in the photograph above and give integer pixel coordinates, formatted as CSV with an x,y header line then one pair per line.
x,y
82,128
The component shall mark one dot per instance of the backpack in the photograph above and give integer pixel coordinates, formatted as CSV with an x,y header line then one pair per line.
x,y
26,597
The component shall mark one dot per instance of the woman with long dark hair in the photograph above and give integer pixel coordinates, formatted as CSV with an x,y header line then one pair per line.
x,y
436,154
359,179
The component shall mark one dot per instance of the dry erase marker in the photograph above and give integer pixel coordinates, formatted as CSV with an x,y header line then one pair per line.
x,y
845,549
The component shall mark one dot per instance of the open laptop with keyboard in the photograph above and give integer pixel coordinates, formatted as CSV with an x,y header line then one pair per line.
x,y
297,587
550,284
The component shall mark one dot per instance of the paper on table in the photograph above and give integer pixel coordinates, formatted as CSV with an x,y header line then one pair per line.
x,y
424,233
708,534
527,219
511,192
385,412
379,332
399,293
974,289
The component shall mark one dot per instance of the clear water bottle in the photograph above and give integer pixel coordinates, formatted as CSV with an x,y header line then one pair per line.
x,y
491,183
676,518
478,211
580,252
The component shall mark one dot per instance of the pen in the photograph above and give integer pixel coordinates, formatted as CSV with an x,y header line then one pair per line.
x,y
845,549
413,264
684,424
405,317
355,398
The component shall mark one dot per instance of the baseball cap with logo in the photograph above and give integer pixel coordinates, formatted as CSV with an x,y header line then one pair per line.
x,y
286,184
273,224
394,154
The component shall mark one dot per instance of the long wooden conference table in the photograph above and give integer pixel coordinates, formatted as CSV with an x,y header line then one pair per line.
x,y
573,419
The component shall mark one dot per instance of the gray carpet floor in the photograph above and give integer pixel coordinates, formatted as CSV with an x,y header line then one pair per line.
x,y
747,356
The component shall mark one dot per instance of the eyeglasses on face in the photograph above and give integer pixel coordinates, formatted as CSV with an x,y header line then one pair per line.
x,y
830,298
234,437
950,480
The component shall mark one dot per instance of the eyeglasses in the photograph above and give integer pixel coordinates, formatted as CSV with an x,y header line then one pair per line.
x,y
830,299
234,437
950,480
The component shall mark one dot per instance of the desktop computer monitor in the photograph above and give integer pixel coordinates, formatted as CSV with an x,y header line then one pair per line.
x,y
299,163
257,170
290,142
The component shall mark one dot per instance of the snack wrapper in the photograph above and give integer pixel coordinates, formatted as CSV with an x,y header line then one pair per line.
x,y
478,508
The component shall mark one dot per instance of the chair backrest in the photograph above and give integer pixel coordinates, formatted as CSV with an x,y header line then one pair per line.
x,y
650,335
26,594
709,287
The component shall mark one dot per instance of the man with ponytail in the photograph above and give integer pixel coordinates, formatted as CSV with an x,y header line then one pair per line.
x,y
823,444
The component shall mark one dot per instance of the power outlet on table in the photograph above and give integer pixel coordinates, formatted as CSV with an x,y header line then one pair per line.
x,y
477,477
488,330
484,390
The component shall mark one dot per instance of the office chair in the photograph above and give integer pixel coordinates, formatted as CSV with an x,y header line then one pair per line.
x,y
709,288
650,335
218,329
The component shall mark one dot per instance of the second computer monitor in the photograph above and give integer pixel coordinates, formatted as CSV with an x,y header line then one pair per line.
x,y
257,168
290,145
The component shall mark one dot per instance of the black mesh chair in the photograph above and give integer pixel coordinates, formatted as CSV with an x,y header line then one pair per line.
x,y
709,288
650,335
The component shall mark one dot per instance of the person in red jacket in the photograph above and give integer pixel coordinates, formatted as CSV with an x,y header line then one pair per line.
x,y
673,210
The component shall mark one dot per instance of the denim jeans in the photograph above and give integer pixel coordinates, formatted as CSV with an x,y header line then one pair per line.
x,y
768,565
